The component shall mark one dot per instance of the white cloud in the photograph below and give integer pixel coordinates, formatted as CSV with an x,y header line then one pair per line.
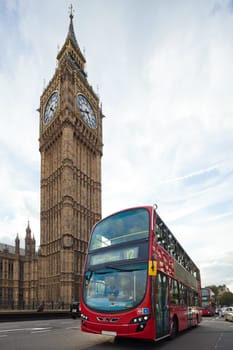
x,y
164,74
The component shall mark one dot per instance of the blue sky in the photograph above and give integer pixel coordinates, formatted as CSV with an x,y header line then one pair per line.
x,y
164,73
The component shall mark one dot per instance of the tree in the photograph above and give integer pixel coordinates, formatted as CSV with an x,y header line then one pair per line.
x,y
214,289
226,299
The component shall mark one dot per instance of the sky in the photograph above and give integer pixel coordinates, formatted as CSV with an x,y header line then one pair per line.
x,y
164,73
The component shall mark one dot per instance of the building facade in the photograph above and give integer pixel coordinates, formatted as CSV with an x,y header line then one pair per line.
x,y
70,145
19,274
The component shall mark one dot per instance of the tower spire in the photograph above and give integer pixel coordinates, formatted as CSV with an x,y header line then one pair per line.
x,y
71,47
71,10
71,33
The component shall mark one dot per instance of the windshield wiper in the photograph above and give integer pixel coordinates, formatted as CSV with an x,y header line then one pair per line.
x,y
122,270
114,268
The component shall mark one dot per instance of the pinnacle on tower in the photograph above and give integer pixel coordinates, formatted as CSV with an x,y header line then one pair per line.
x,y
28,231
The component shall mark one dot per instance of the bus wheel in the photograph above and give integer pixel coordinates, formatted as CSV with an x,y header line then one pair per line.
x,y
196,323
174,330
118,340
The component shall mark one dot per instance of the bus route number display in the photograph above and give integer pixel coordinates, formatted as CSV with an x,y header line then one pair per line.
x,y
115,255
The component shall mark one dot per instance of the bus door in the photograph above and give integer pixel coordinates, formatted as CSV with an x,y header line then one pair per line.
x,y
162,308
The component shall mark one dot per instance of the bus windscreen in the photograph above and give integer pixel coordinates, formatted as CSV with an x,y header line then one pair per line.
x,y
126,226
113,290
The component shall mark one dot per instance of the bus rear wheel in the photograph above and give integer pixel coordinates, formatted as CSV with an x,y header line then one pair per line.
x,y
196,323
174,330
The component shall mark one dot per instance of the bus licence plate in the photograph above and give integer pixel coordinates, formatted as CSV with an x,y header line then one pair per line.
x,y
109,333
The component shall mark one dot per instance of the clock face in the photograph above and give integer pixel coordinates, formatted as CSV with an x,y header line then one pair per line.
x,y
51,107
86,111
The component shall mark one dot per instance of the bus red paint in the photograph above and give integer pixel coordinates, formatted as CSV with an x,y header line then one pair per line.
x,y
138,280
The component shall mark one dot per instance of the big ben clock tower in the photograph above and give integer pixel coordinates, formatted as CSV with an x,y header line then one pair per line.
x,y
71,150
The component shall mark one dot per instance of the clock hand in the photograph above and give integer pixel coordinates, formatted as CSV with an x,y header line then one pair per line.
x,y
87,113
84,111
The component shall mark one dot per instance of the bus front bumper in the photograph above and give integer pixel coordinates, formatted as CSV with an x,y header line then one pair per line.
x,y
142,331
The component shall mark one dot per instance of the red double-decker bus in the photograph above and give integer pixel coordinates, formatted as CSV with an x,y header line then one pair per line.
x,y
208,302
138,280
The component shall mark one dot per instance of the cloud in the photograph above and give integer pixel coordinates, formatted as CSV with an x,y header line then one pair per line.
x,y
163,71
218,268
194,174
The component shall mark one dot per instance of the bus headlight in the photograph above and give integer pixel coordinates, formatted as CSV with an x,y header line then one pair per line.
x,y
141,321
84,317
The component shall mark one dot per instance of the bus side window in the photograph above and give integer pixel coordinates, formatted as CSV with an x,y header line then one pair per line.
x,y
174,295
197,299
172,245
161,232
189,297
182,294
